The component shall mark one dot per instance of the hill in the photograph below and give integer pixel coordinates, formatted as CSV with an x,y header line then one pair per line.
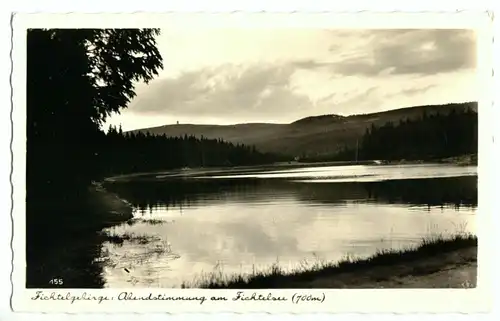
x,y
315,135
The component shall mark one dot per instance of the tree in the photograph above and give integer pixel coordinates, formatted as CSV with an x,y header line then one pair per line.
x,y
118,58
75,79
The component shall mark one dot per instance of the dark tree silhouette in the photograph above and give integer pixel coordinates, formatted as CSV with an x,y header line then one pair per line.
x,y
75,79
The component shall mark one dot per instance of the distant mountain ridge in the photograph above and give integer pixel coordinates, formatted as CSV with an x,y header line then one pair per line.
x,y
313,135
320,118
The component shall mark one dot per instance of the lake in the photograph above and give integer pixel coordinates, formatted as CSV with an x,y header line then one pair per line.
x,y
187,224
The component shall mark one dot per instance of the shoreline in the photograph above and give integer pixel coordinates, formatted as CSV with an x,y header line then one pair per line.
x,y
462,160
435,263
115,210
77,242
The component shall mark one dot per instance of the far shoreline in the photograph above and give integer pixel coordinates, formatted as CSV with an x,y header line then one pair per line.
x,y
462,160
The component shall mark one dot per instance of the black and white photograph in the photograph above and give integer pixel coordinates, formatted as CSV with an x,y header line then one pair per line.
x,y
251,158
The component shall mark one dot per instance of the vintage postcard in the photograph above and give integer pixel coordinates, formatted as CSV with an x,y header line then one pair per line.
x,y
252,162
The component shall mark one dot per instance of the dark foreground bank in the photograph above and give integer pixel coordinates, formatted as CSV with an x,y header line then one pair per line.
x,y
436,263
65,238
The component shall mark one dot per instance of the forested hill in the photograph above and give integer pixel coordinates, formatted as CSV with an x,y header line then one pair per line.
x,y
126,153
310,136
428,137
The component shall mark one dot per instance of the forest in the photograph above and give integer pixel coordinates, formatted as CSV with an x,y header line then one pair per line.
x,y
429,137
133,152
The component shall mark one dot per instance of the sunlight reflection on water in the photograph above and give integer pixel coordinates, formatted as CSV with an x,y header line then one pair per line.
x,y
186,228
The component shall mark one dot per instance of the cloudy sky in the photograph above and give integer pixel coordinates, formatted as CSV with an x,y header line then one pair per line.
x,y
227,76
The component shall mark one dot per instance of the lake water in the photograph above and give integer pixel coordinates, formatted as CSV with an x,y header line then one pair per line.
x,y
188,225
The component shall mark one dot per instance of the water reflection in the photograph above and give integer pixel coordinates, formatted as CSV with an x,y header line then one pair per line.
x,y
457,191
246,224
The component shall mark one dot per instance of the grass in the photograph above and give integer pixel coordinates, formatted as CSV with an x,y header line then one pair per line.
x,y
156,248
428,257
150,221
153,221
130,237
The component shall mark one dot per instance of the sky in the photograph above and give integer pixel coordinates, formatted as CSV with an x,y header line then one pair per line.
x,y
229,76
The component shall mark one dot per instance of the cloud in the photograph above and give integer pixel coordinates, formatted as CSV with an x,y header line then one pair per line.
x,y
327,72
311,64
367,99
256,91
284,93
415,91
419,51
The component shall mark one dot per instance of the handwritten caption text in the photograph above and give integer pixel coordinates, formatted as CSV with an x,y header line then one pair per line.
x,y
241,296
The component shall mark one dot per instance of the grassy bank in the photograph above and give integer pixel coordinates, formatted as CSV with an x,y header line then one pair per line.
x,y
437,262
65,238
